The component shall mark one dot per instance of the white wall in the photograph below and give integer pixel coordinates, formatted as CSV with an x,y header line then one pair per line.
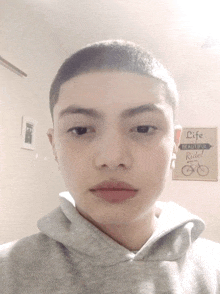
x,y
37,38
29,180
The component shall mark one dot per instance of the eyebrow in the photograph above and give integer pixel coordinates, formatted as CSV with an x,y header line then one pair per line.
x,y
127,113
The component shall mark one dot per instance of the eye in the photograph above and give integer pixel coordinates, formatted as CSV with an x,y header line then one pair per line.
x,y
79,131
146,129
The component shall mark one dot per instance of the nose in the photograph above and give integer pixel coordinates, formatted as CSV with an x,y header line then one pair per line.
x,y
113,153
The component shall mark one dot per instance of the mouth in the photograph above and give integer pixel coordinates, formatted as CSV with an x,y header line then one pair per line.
x,y
114,192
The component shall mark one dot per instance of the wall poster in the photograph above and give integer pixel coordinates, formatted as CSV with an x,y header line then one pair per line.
x,y
197,156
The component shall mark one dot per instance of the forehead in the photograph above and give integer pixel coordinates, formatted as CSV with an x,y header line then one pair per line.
x,y
111,92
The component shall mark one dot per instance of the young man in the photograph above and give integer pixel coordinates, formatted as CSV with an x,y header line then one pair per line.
x,y
114,138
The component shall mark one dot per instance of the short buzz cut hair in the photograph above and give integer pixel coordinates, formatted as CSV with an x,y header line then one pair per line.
x,y
113,55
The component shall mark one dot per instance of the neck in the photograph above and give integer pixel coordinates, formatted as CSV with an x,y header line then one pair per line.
x,y
133,235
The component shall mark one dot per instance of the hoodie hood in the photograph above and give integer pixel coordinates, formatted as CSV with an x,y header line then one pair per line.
x,y
177,229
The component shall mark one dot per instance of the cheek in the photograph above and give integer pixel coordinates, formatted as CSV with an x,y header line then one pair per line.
x,y
156,161
74,164
68,154
163,161
69,162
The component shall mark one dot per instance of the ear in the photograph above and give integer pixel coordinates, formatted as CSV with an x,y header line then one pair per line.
x,y
50,135
177,136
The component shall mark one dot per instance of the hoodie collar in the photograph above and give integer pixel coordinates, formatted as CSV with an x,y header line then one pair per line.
x,y
177,229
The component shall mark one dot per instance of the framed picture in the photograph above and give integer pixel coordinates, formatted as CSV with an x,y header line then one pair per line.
x,y
28,132
197,157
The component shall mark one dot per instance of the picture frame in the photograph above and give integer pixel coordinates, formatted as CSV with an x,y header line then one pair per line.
x,y
197,156
28,132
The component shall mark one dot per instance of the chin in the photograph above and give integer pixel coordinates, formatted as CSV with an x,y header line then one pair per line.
x,y
116,215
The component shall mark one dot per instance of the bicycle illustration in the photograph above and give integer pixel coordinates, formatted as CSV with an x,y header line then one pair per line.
x,y
194,165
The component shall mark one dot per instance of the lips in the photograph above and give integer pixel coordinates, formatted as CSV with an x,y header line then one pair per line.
x,y
114,191
107,185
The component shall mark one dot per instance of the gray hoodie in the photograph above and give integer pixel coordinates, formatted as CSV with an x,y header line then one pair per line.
x,y
70,255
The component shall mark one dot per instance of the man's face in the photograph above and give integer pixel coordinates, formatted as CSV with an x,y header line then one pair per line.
x,y
110,144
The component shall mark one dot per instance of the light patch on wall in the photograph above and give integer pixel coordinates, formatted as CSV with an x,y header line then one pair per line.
x,y
203,16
